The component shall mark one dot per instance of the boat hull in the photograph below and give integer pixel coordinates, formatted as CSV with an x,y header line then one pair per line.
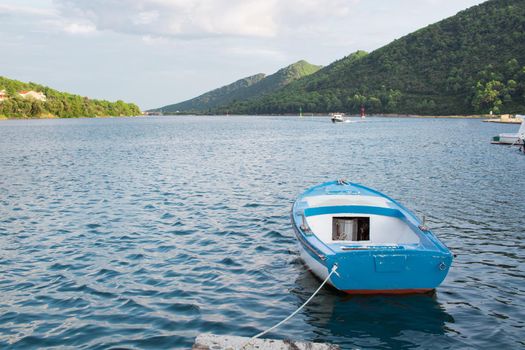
x,y
507,139
378,271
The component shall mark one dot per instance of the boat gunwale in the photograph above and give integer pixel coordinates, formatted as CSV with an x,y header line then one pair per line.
x,y
311,248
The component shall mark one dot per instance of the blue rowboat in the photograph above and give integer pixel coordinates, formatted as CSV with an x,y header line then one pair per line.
x,y
378,245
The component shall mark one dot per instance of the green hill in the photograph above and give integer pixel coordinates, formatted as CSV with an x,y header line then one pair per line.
x,y
214,98
242,90
472,62
53,103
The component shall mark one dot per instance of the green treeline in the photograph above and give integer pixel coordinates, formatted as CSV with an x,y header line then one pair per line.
x,y
471,63
57,104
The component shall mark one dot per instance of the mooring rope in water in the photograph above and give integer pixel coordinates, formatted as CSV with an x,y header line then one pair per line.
x,y
334,269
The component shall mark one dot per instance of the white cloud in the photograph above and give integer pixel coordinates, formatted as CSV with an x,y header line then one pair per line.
x,y
146,17
17,10
154,40
178,18
188,19
78,28
49,18
317,9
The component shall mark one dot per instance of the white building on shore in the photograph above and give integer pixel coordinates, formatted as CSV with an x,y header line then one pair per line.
x,y
36,95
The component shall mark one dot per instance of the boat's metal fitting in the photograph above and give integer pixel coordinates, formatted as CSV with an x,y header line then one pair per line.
x,y
423,226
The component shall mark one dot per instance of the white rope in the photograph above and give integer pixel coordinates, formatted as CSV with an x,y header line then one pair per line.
x,y
334,268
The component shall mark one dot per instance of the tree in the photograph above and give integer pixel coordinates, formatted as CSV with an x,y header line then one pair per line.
x,y
488,96
60,104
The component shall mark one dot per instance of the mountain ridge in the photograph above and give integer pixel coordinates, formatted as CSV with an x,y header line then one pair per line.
x,y
243,89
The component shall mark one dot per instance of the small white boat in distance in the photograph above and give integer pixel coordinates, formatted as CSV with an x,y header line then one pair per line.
x,y
512,138
337,117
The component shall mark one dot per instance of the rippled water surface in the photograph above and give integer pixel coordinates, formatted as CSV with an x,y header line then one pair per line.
x,y
144,232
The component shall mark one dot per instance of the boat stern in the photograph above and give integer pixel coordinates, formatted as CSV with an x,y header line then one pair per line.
x,y
392,271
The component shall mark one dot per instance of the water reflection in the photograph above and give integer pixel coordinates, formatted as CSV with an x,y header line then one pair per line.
x,y
371,320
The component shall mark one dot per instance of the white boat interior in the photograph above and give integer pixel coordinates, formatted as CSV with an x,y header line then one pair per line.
x,y
358,228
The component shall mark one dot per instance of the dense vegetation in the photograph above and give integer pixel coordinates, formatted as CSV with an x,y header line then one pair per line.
x,y
242,90
57,104
473,62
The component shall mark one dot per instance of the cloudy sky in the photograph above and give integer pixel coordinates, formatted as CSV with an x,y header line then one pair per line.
x,y
157,52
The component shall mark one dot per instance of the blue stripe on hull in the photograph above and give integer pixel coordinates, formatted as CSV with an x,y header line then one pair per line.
x,y
353,209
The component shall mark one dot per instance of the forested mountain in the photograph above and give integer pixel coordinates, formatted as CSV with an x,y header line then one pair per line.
x,y
30,100
242,90
472,62
214,98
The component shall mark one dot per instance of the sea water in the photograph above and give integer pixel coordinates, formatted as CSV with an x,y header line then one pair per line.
x,y
144,232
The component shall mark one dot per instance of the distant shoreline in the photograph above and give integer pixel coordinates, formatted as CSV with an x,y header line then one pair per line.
x,y
44,117
474,116
412,116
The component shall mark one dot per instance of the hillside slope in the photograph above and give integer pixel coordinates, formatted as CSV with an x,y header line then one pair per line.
x,y
472,62
242,90
44,102
214,98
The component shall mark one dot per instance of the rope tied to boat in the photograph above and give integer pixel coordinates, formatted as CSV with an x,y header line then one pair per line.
x,y
334,269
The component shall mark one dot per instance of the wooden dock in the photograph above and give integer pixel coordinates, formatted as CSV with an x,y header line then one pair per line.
x,y
227,342
504,119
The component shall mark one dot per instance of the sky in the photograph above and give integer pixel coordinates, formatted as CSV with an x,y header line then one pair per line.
x,y
159,52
